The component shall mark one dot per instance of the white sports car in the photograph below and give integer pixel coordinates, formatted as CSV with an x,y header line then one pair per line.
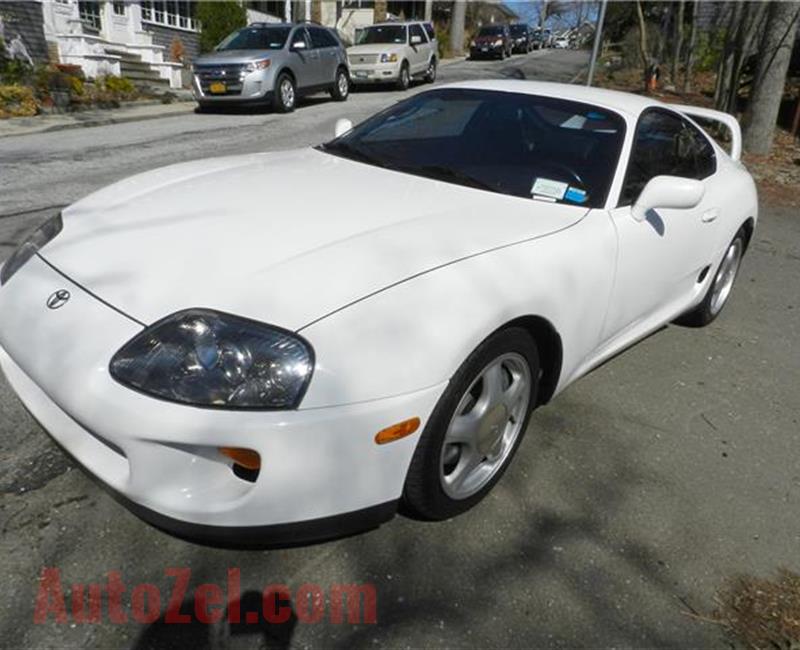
x,y
285,346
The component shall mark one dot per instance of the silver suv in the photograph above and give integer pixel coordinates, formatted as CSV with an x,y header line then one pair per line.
x,y
272,63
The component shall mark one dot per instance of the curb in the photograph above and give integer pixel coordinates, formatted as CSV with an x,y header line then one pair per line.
x,y
97,121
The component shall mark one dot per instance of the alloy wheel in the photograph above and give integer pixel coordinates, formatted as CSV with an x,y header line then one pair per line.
x,y
485,427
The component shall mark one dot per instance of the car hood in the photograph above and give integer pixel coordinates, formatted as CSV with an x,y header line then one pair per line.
x,y
284,238
375,48
233,56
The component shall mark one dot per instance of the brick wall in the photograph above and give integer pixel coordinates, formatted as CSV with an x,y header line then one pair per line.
x,y
25,19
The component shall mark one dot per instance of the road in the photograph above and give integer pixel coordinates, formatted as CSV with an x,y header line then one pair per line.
x,y
635,494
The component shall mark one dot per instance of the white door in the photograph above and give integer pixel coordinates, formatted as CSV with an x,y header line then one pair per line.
x,y
662,259
420,51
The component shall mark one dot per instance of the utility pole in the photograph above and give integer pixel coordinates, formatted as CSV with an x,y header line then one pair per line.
x,y
457,19
428,10
598,39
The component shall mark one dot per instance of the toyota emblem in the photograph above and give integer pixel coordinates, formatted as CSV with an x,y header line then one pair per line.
x,y
58,299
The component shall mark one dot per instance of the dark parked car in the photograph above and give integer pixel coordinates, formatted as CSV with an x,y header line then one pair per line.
x,y
272,63
491,41
521,38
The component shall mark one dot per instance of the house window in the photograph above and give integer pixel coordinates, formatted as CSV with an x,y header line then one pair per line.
x,y
119,8
179,14
89,13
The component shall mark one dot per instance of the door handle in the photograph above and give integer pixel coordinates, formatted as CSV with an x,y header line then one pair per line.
x,y
710,215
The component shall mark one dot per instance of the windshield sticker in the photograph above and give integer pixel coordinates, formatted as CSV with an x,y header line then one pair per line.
x,y
576,195
549,187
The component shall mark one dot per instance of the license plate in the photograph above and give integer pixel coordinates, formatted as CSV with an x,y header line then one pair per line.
x,y
484,49
217,88
362,74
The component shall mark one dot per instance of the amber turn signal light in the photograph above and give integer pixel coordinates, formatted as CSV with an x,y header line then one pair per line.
x,y
397,431
247,458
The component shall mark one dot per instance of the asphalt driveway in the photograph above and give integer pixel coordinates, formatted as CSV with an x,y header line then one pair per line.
x,y
634,495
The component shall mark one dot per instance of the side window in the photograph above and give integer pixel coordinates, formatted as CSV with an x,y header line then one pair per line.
x,y
705,160
329,38
317,37
665,143
416,30
430,31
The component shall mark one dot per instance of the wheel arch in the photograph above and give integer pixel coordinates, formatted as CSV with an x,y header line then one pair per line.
x,y
749,227
550,348
286,69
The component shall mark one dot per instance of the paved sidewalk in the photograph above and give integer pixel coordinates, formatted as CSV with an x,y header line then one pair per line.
x,y
132,112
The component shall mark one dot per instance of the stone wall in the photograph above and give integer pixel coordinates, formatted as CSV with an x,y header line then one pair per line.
x,y
24,19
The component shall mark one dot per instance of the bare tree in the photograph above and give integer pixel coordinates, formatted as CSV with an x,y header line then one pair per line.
x,y
689,68
457,19
678,44
642,35
768,86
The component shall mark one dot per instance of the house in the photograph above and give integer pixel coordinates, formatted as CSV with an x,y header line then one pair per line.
x,y
137,40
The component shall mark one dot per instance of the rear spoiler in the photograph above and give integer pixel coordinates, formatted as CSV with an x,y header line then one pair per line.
x,y
722,118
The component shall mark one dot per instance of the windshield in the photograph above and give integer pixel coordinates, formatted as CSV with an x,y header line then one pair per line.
x,y
256,38
382,34
523,145
490,31
518,30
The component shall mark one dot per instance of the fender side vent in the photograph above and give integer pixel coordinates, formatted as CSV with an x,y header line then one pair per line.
x,y
703,274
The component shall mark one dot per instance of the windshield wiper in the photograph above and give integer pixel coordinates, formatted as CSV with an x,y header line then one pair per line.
x,y
439,172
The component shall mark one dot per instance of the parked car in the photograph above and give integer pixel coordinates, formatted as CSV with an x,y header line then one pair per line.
x,y
267,63
561,43
243,356
521,38
395,53
491,41
537,39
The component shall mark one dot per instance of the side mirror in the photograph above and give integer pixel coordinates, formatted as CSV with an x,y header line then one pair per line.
x,y
298,45
416,40
343,125
668,192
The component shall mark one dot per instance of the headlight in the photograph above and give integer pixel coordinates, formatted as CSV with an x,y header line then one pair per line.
x,y
44,234
389,58
206,358
263,64
498,42
472,43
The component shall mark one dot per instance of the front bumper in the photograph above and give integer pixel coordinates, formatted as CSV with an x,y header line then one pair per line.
x,y
486,50
317,465
252,87
374,73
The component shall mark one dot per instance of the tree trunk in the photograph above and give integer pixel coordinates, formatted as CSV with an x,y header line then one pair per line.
x,y
642,36
768,85
689,69
676,52
457,27
725,69
542,13
429,10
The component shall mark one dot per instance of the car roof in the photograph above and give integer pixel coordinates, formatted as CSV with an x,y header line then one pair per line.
x,y
387,23
622,102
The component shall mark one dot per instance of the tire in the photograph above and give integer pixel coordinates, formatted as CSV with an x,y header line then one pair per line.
x,y
341,86
721,287
284,100
430,75
404,79
435,487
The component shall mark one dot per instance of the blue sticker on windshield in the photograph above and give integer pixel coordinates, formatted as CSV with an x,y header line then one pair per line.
x,y
575,195
595,116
